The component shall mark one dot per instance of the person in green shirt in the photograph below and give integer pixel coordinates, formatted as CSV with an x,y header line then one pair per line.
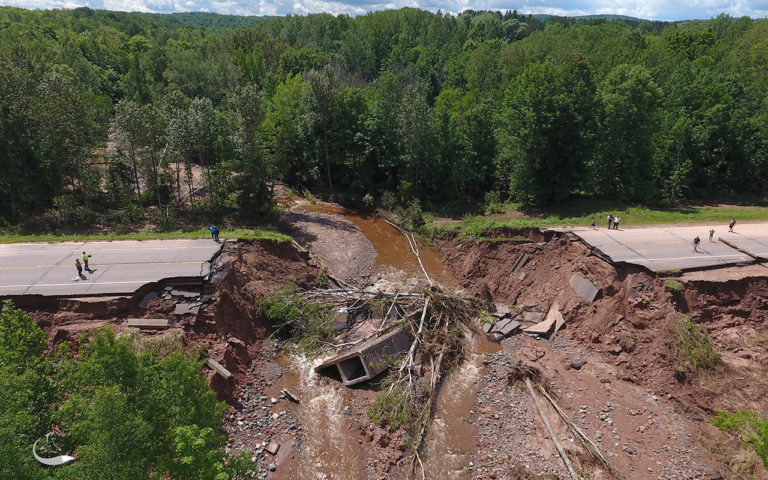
x,y
85,262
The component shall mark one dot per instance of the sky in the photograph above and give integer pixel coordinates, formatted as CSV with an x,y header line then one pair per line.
x,y
644,9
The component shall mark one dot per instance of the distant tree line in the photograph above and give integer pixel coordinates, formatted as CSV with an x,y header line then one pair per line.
x,y
114,112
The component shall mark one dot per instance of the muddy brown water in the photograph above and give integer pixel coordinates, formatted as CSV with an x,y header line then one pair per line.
x,y
392,248
331,449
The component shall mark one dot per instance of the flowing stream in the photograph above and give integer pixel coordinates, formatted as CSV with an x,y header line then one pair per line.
x,y
331,449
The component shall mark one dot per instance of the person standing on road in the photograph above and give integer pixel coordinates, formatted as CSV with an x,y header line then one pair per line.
x,y
212,230
216,234
593,224
85,262
711,234
79,268
732,224
610,221
616,222
696,244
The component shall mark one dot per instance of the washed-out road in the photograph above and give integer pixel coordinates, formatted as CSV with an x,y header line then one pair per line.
x,y
660,248
118,267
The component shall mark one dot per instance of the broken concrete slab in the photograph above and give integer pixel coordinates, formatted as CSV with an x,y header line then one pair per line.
x,y
521,261
273,447
532,317
586,289
554,312
158,323
508,328
186,309
369,359
501,323
487,326
290,395
553,319
501,310
147,298
218,368
185,293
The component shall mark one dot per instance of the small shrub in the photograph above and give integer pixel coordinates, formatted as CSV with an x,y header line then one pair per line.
x,y
308,323
391,409
410,216
368,201
750,425
322,280
493,203
673,286
131,213
486,318
308,195
691,348
388,200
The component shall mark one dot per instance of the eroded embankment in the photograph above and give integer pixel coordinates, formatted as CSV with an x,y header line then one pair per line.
x,y
222,315
219,320
659,407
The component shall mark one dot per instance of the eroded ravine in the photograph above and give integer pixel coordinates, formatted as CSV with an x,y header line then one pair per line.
x,y
330,449
451,439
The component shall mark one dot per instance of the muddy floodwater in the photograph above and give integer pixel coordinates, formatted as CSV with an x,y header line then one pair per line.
x,y
392,248
331,449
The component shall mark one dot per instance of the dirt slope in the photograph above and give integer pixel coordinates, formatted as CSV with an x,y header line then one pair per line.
x,y
650,422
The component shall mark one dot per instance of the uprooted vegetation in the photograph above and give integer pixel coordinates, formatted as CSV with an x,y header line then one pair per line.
x,y
436,321
308,323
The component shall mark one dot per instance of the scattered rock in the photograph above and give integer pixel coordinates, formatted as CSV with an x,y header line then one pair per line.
x,y
577,364
272,448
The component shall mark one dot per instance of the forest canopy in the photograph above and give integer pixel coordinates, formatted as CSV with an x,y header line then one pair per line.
x,y
108,113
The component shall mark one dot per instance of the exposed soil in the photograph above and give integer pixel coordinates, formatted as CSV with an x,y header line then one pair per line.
x,y
338,242
649,419
660,424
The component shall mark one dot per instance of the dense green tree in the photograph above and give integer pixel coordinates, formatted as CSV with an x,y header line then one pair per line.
x,y
282,122
26,393
323,93
539,137
122,410
632,110
623,167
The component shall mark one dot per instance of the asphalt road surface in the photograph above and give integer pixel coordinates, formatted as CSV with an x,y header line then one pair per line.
x,y
119,267
669,248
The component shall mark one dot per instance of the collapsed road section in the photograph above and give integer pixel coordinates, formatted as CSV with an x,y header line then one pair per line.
x,y
116,268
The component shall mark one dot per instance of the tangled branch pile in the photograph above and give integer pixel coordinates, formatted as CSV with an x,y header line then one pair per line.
x,y
436,348
438,322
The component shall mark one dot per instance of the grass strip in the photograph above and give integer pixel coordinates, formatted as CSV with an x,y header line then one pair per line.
x,y
238,233
476,226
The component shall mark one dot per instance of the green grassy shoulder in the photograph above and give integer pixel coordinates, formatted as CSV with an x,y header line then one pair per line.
x,y
475,226
241,234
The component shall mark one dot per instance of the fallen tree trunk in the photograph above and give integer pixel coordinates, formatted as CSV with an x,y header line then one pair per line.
x,y
551,431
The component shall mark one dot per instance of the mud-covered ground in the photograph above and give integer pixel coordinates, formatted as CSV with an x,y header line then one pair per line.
x,y
649,420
